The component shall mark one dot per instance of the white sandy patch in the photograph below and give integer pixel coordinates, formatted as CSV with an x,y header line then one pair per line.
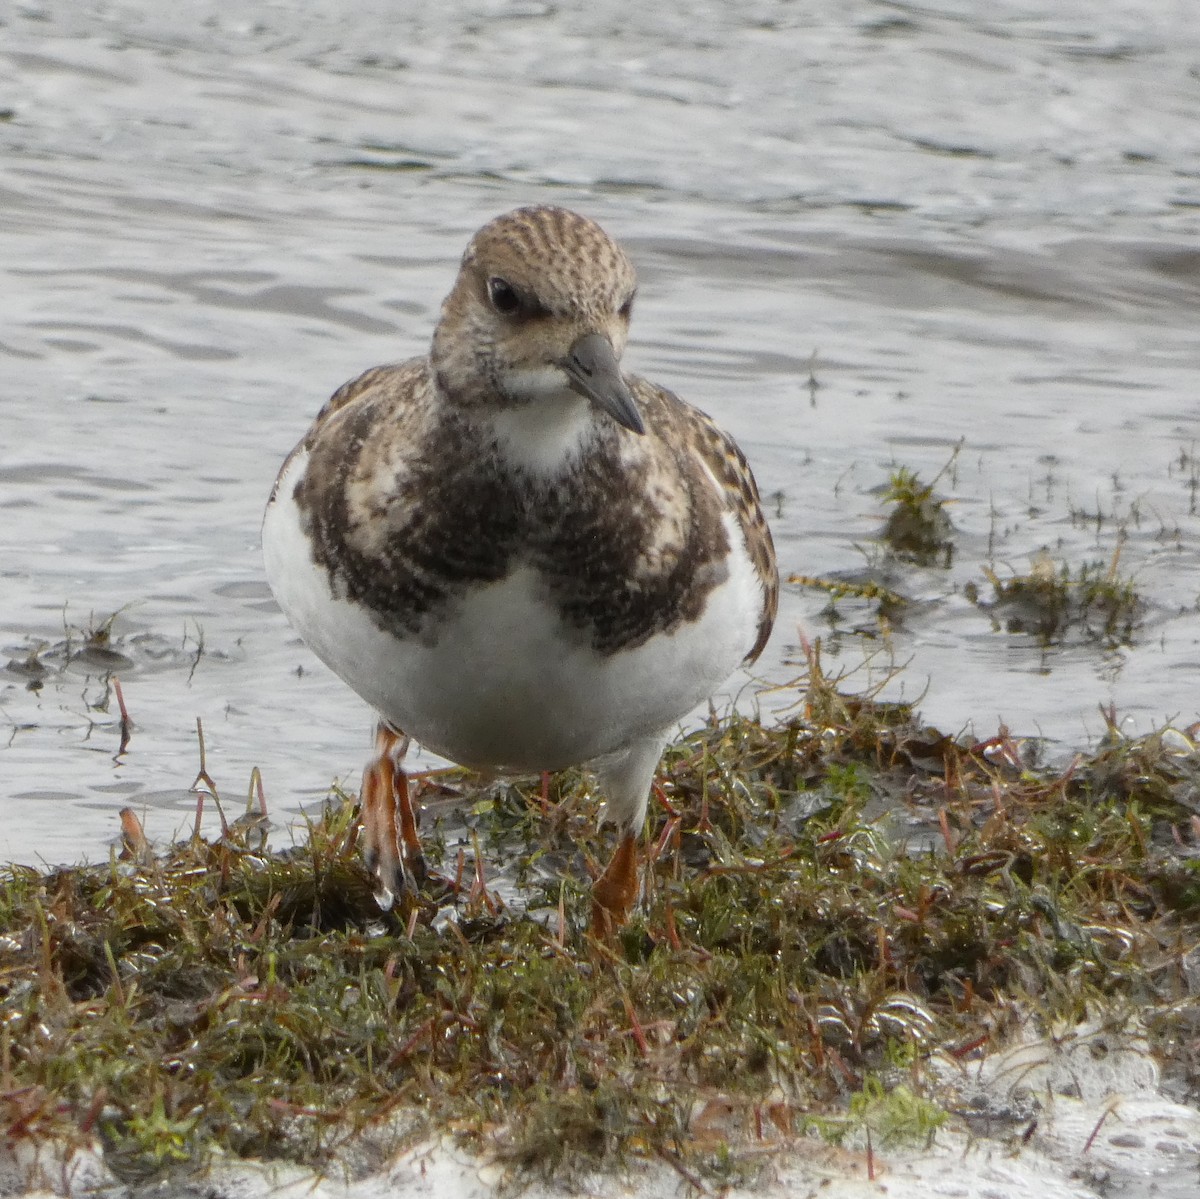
x,y
1092,1122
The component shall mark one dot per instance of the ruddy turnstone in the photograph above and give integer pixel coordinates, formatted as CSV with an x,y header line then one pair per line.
x,y
516,553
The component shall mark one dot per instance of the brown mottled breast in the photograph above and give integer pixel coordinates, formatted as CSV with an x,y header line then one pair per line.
x,y
405,512
633,541
396,515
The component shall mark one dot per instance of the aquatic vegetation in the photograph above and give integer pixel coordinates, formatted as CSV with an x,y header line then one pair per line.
x,y
917,528
795,968
891,604
917,531
1050,601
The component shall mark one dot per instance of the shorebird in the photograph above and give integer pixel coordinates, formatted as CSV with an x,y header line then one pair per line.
x,y
516,553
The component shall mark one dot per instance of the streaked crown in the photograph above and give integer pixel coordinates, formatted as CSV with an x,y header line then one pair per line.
x,y
564,261
532,283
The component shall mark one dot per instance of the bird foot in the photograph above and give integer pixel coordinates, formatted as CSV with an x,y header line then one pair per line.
x,y
391,847
616,891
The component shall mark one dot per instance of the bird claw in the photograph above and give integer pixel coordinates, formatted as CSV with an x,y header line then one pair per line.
x,y
394,877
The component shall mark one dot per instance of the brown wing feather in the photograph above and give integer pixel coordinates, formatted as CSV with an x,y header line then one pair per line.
x,y
728,464
395,374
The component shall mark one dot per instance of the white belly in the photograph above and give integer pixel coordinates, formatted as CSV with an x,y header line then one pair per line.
x,y
504,683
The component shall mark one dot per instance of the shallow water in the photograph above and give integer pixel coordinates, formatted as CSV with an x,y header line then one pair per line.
x,y
984,227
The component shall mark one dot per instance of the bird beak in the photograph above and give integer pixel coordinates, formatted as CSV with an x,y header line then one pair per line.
x,y
593,371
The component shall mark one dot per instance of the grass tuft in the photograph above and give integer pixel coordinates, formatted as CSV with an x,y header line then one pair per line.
x,y
796,965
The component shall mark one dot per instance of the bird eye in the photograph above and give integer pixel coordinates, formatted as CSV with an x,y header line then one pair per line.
x,y
626,310
503,296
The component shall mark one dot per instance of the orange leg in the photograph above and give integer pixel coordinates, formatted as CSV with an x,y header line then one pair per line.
x,y
391,847
615,892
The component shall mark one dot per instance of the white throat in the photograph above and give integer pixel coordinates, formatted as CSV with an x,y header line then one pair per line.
x,y
547,433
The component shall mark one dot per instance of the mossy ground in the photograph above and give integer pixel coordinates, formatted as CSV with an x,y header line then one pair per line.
x,y
796,963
